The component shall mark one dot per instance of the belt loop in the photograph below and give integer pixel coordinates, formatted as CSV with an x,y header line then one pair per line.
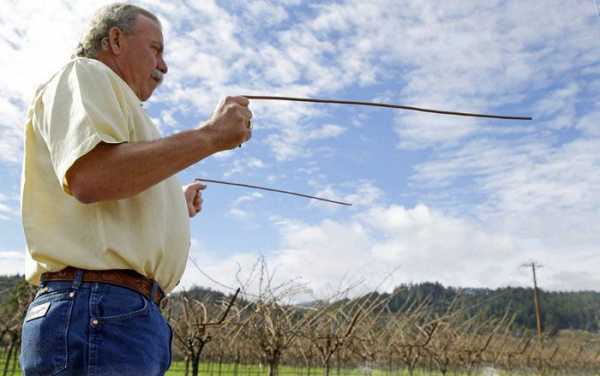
x,y
154,290
78,279
156,293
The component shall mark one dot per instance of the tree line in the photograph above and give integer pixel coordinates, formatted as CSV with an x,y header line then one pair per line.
x,y
561,310
574,310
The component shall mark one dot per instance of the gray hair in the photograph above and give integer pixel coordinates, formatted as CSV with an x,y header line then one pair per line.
x,y
120,15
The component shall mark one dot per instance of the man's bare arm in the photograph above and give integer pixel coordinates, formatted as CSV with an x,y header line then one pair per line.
x,y
117,171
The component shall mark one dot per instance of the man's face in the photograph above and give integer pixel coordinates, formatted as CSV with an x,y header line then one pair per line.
x,y
141,64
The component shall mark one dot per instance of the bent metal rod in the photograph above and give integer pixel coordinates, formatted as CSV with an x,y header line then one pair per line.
x,y
387,105
272,190
360,103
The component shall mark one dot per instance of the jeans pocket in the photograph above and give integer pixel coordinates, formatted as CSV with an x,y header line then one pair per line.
x,y
137,346
119,304
44,349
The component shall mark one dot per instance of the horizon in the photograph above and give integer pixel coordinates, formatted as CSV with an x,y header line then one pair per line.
x,y
409,284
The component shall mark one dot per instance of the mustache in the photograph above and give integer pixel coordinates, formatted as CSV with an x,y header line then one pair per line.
x,y
157,75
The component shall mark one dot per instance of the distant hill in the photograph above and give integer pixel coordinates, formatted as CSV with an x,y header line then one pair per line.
x,y
8,281
203,294
578,310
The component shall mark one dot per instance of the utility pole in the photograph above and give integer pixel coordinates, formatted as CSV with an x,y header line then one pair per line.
x,y
536,299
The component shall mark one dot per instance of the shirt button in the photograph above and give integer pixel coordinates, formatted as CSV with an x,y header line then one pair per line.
x,y
71,294
94,323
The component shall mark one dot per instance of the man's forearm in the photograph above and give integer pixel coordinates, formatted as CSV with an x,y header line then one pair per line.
x,y
117,171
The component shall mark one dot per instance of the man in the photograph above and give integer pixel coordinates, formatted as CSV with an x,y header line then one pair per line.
x,y
105,219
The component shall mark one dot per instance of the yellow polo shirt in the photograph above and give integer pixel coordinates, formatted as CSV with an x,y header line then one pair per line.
x,y
86,103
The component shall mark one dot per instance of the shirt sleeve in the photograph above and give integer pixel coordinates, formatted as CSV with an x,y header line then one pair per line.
x,y
83,106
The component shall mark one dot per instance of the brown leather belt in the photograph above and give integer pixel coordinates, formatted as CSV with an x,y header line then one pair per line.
x,y
119,277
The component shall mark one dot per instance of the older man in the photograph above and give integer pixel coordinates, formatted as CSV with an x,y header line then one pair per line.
x,y
105,219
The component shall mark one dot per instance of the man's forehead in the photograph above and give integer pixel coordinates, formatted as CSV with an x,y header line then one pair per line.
x,y
149,27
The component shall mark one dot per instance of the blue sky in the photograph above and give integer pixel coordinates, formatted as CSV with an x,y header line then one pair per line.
x,y
436,198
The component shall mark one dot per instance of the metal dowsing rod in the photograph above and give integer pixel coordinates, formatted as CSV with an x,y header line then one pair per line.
x,y
360,103
387,105
273,190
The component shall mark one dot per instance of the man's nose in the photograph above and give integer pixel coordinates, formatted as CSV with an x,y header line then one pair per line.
x,y
162,66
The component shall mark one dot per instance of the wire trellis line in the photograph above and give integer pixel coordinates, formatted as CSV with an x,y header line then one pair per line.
x,y
387,105
273,190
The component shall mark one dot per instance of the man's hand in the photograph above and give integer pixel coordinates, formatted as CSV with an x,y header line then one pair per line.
x,y
193,197
230,123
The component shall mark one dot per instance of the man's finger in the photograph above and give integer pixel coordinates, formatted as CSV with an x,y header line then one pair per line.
x,y
246,113
197,186
242,101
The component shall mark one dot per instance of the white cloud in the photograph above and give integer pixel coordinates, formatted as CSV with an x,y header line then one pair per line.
x,y
8,208
409,245
281,69
362,193
236,210
12,262
248,198
266,12
417,131
324,132
558,109
244,165
530,188
293,142
239,213
590,124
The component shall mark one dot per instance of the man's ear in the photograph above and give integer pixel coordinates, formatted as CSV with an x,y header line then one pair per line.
x,y
114,41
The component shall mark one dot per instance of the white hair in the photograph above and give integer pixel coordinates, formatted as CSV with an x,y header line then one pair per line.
x,y
118,15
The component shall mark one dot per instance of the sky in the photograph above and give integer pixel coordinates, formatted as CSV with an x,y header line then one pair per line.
x,y
461,201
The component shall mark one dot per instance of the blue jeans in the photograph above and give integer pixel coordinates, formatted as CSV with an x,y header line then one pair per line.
x,y
94,329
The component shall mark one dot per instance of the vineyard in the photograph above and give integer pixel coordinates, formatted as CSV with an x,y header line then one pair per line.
x,y
362,335
265,333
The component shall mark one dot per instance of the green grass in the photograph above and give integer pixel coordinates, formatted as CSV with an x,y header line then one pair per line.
x,y
212,369
3,363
